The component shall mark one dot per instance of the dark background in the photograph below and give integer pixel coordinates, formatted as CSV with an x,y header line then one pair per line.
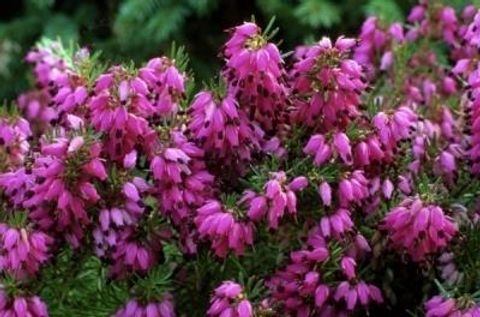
x,y
136,30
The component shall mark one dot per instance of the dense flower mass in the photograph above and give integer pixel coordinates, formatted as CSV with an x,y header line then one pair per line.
x,y
326,83
418,229
255,71
223,130
22,253
340,180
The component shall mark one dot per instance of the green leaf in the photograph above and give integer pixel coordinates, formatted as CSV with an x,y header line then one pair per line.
x,y
40,4
387,10
202,7
61,26
316,13
149,21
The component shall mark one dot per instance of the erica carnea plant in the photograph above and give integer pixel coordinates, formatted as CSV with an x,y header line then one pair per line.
x,y
340,179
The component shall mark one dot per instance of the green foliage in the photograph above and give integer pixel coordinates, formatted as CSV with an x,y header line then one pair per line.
x,y
77,284
157,20
85,290
387,10
137,30
317,13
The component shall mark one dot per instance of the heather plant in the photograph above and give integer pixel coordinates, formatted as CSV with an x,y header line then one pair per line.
x,y
340,179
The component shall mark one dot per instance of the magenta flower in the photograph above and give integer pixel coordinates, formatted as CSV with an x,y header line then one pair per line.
x,y
119,109
16,184
22,251
439,306
449,25
353,188
120,239
129,252
22,306
223,130
163,308
255,72
328,66
418,229
325,192
49,66
166,85
278,198
323,150
229,300
348,266
372,41
37,107
356,295
473,33
337,224
395,127
224,228
13,141
297,286
64,175
448,269
60,88
182,180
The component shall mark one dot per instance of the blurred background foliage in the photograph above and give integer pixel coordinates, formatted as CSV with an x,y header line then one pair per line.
x,y
139,29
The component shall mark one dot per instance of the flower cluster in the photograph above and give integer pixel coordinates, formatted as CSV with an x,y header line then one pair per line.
x,y
163,308
418,229
327,82
23,252
223,130
255,71
438,306
22,306
278,198
224,227
317,184
229,300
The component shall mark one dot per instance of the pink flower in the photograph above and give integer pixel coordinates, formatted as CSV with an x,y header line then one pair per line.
x,y
328,66
356,295
387,188
23,252
439,306
337,224
228,300
64,181
223,130
125,124
223,228
473,32
418,229
164,308
130,160
294,285
353,189
348,266
325,192
278,198
16,185
166,86
255,72
322,152
14,146
22,306
372,42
